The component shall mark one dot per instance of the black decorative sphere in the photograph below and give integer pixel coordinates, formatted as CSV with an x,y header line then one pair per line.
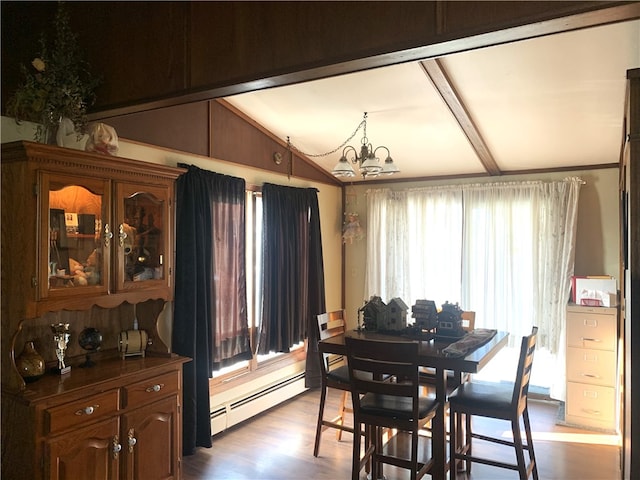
x,y
90,339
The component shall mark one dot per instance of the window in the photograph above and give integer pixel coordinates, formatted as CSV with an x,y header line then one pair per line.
x,y
504,250
254,264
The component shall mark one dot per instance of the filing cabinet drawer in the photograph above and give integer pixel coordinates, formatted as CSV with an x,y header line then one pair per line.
x,y
595,367
153,389
80,412
591,401
591,330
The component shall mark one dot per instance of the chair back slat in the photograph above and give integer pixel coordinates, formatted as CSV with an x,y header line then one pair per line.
x,y
393,404
523,373
331,324
371,361
468,320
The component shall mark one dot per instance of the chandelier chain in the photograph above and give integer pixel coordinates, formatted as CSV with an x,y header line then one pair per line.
x,y
363,124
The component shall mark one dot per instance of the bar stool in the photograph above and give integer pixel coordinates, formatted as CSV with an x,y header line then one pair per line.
x,y
500,402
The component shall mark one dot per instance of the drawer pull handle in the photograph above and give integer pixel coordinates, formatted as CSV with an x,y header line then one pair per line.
x,y
590,411
155,388
585,339
131,440
87,410
116,447
590,375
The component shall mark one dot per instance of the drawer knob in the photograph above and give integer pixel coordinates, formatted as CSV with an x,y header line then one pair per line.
x,y
156,388
87,410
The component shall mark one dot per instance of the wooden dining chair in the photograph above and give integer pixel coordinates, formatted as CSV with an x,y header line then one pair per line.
x,y
334,376
499,402
380,405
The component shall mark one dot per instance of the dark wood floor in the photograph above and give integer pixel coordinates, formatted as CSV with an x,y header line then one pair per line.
x,y
279,445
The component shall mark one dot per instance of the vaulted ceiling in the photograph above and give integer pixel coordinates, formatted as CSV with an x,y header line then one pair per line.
x,y
545,103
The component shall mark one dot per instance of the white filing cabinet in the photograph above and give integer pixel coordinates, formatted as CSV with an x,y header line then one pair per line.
x,y
592,373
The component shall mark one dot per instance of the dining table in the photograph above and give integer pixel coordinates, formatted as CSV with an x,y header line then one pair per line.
x,y
432,354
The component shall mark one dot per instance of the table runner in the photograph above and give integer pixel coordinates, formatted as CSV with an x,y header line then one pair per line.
x,y
469,342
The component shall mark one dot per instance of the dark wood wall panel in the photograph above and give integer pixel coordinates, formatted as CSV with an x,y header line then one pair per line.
x,y
472,17
140,48
251,40
19,35
157,54
238,140
182,127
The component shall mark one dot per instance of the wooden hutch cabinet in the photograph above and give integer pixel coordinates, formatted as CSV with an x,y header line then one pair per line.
x,y
87,240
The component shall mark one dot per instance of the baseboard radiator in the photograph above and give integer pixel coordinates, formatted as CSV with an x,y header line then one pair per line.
x,y
240,409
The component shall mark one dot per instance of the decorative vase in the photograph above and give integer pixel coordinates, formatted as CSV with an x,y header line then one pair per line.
x,y
30,363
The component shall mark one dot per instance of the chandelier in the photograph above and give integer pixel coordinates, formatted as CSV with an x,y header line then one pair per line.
x,y
367,161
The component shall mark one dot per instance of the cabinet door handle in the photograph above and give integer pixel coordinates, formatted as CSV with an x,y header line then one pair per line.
x,y
115,446
131,440
121,235
107,236
156,388
87,410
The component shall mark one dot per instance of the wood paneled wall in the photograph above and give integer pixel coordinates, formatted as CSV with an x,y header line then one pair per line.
x,y
154,54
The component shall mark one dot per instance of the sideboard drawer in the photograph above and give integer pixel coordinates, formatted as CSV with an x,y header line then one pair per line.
x,y
152,389
591,330
80,412
596,367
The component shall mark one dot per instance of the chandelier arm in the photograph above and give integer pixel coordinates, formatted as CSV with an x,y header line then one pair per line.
x,y
382,146
346,150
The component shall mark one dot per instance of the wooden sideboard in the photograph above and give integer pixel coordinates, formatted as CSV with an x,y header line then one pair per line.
x,y
88,241
117,420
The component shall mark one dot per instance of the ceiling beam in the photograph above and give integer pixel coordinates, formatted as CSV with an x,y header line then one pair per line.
x,y
434,70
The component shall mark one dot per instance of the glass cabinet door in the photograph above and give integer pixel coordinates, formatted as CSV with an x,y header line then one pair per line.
x,y
143,236
75,241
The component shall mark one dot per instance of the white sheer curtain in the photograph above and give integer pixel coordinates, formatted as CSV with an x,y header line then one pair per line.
x,y
504,250
500,235
558,221
419,228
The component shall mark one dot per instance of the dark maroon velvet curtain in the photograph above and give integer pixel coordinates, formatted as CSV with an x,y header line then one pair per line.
x,y
210,307
294,292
